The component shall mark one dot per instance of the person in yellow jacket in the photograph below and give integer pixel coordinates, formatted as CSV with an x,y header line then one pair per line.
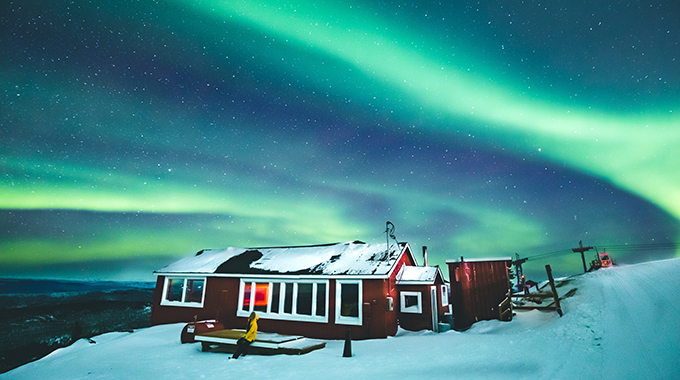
x,y
243,343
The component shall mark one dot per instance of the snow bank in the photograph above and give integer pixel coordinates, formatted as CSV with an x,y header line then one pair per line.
x,y
622,322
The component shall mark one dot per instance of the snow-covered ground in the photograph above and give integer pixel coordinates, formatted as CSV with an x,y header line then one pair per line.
x,y
622,323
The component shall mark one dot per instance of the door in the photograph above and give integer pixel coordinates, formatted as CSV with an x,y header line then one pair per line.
x,y
435,308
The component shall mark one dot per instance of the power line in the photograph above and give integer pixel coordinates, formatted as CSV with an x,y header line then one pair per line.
x,y
642,247
615,247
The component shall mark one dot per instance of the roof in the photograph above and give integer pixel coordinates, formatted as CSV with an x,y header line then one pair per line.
x,y
478,260
409,275
351,258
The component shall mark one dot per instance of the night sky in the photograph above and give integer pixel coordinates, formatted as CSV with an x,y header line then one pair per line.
x,y
134,133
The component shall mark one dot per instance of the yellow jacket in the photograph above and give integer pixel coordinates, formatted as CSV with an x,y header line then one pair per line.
x,y
252,327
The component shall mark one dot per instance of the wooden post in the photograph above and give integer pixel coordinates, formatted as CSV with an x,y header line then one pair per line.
x,y
582,249
347,353
554,290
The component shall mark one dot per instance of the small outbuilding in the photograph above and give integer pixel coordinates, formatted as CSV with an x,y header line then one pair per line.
x,y
478,288
317,291
423,299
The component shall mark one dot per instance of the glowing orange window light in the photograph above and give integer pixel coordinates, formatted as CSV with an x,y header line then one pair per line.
x,y
261,295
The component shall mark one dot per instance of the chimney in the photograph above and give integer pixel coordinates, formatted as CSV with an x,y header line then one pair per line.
x,y
425,255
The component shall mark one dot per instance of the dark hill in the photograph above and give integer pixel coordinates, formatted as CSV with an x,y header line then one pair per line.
x,y
39,316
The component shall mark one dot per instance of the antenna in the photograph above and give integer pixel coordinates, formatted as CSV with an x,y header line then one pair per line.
x,y
389,233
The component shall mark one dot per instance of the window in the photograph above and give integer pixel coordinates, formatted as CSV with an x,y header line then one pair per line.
x,y
303,300
320,300
411,302
288,298
348,301
276,297
259,299
183,291
445,295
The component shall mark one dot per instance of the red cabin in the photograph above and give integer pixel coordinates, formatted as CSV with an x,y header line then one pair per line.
x,y
317,291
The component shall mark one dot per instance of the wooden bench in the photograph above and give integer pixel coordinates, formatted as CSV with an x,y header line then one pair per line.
x,y
264,344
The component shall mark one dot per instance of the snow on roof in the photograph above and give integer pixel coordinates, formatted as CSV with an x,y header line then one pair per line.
x,y
205,261
351,258
480,259
417,275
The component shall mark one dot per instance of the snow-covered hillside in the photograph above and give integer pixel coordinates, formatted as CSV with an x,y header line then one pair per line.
x,y
622,323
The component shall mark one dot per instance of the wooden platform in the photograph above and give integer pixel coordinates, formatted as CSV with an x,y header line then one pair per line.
x,y
264,344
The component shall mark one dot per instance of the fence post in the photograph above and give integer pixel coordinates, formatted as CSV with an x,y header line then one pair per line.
x,y
554,290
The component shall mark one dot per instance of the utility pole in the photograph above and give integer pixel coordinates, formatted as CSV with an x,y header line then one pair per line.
x,y
521,283
582,249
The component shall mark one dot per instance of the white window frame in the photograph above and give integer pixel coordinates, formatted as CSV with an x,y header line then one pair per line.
x,y
340,319
183,302
445,295
417,309
281,315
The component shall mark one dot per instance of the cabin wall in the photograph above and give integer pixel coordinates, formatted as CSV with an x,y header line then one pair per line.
x,y
391,298
476,290
221,302
423,320
379,319
419,321
219,293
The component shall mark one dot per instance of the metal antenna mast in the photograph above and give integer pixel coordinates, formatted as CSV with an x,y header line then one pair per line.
x,y
389,233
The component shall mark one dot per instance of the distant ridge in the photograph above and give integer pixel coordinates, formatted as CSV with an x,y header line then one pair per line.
x,y
38,286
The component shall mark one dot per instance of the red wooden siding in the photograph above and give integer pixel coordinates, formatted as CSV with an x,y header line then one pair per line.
x,y
477,287
219,294
416,322
221,302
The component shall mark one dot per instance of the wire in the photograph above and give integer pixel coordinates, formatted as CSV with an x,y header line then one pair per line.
x,y
618,248
642,247
541,255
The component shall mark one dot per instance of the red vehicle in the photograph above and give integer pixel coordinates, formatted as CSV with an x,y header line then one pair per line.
x,y
605,260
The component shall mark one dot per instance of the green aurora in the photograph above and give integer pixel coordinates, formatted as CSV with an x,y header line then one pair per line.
x,y
132,136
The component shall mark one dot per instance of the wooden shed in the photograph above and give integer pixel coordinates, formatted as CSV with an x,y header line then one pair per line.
x,y
423,301
478,286
317,291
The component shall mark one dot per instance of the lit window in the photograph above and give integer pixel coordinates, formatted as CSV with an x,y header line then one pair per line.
x,y
304,300
261,297
247,293
183,291
411,302
348,302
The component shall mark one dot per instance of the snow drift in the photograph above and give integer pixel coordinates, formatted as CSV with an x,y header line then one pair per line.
x,y
622,322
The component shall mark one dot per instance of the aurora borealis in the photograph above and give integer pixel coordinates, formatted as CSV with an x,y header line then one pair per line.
x,y
134,133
